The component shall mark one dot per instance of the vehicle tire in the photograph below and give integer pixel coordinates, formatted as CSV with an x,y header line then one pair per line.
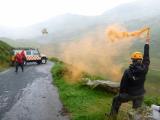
x,y
43,60
39,62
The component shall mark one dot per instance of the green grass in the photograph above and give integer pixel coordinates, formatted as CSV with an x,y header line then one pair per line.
x,y
54,59
152,88
153,83
149,100
5,50
83,103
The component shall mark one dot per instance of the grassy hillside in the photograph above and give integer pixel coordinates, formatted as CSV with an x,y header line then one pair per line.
x,y
153,83
4,55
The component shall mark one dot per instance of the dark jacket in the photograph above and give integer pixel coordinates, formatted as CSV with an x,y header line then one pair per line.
x,y
134,77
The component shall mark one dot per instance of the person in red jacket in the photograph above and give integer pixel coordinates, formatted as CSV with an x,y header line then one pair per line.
x,y
23,56
19,61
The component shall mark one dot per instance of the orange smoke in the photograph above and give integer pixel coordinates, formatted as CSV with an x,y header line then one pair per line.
x,y
97,55
94,56
115,33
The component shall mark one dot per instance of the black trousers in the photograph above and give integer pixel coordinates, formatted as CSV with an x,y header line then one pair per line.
x,y
122,98
17,66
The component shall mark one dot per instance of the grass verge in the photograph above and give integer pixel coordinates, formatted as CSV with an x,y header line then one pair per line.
x,y
5,50
83,103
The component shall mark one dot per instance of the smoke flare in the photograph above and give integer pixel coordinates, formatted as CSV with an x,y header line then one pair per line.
x,y
115,34
99,55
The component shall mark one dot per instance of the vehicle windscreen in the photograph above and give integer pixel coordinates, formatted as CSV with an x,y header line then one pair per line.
x,y
35,52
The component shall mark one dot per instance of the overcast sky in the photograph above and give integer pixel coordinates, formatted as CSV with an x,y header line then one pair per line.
x,y
20,13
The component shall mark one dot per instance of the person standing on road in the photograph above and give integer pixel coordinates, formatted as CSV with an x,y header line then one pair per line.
x,y
132,83
19,61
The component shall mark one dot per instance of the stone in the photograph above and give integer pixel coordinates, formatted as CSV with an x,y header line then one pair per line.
x,y
106,84
142,113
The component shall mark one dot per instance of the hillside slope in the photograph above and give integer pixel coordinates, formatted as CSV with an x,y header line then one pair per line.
x,y
70,26
65,28
4,55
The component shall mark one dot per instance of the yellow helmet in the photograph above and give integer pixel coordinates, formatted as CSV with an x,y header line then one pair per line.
x,y
137,55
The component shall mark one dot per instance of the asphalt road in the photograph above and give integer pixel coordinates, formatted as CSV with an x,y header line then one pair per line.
x,y
29,95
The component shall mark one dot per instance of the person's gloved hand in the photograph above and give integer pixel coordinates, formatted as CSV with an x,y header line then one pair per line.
x,y
148,38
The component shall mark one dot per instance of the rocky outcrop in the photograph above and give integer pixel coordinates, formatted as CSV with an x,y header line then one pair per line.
x,y
108,85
